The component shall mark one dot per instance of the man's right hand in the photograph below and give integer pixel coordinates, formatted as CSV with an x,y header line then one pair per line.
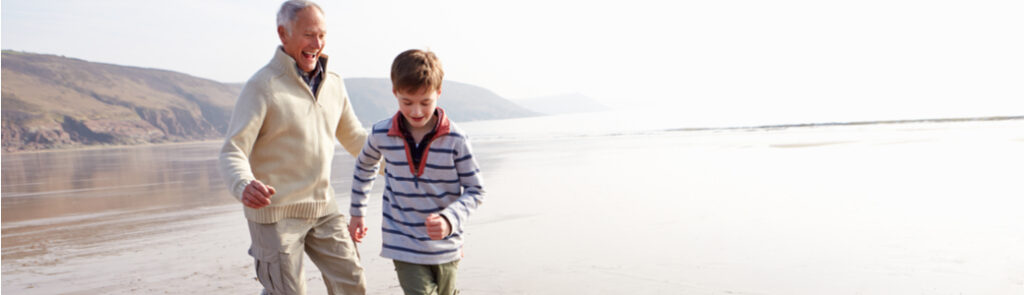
x,y
257,195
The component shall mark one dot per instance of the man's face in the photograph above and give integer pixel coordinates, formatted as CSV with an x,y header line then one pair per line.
x,y
418,109
306,40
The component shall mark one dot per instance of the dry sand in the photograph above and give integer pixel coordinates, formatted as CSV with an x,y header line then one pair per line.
x,y
894,209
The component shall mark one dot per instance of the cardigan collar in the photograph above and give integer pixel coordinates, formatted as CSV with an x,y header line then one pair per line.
x,y
285,63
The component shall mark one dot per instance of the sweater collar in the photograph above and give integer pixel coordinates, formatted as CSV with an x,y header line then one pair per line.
x,y
443,126
284,62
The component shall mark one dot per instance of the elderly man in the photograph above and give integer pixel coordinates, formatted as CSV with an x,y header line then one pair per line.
x,y
277,159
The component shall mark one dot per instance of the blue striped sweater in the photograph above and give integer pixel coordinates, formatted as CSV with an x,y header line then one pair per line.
x,y
447,182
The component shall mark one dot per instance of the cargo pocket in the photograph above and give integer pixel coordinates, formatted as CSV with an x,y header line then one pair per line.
x,y
268,268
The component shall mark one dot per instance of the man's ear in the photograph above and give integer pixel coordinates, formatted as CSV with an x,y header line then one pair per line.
x,y
282,33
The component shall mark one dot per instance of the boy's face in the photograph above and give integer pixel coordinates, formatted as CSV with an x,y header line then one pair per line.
x,y
418,109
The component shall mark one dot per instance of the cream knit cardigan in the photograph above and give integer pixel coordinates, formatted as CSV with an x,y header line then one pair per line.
x,y
283,135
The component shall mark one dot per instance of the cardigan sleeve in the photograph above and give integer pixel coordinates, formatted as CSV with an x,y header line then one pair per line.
x,y
350,132
242,133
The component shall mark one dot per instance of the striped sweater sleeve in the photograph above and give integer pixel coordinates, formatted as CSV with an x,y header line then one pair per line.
x,y
367,164
472,184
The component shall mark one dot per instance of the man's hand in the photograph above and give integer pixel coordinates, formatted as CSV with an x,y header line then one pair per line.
x,y
357,229
257,195
438,227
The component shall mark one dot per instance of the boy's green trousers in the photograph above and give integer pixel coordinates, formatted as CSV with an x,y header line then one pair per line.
x,y
419,279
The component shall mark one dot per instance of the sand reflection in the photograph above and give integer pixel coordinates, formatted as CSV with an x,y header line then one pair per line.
x,y
894,209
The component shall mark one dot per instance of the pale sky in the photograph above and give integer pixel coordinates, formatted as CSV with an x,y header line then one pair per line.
x,y
817,60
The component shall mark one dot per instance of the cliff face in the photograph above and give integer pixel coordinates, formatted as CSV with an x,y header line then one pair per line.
x,y
54,102
57,102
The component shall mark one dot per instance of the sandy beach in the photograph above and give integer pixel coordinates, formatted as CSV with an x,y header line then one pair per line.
x,y
868,209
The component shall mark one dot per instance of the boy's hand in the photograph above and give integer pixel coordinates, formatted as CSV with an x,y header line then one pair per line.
x,y
438,227
357,229
257,195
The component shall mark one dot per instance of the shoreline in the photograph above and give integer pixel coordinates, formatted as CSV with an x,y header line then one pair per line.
x,y
853,123
101,147
861,210
682,129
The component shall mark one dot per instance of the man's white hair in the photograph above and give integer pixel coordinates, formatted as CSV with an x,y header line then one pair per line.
x,y
289,9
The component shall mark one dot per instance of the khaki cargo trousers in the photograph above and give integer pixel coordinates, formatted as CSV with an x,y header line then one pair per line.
x,y
278,247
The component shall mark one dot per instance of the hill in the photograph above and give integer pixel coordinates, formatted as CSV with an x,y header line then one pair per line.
x,y
373,101
58,102
53,102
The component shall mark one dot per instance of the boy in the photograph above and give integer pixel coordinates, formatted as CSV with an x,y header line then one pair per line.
x,y
433,182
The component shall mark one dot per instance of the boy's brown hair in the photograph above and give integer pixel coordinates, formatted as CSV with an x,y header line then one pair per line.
x,y
416,71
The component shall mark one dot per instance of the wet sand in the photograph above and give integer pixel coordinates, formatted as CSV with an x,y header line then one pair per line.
x,y
889,209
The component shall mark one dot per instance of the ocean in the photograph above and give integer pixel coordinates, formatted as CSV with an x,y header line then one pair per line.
x,y
605,203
